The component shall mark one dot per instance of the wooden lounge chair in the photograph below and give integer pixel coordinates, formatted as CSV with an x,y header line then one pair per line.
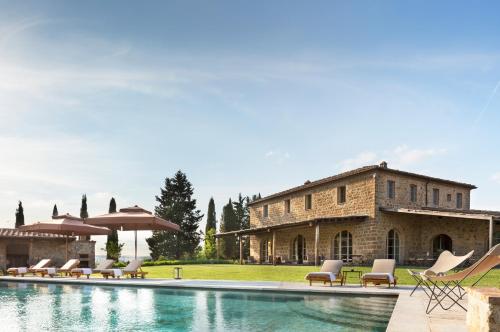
x,y
382,273
15,271
443,287
52,271
330,272
445,262
78,272
133,270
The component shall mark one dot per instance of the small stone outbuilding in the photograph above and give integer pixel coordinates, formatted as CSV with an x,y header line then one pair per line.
x,y
18,248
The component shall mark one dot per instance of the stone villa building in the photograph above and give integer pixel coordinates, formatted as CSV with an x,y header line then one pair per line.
x,y
367,213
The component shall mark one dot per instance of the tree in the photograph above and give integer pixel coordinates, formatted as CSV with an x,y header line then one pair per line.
x,y
256,197
55,213
243,219
229,222
19,215
113,246
177,205
83,210
210,230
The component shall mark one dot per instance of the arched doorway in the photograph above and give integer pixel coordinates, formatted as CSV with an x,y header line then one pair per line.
x,y
393,245
266,250
441,243
299,252
342,246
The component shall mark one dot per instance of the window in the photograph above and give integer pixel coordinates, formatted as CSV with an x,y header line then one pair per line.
x,y
393,245
496,238
266,211
308,202
441,243
342,246
391,189
299,252
448,197
413,193
459,200
435,196
266,250
341,195
287,206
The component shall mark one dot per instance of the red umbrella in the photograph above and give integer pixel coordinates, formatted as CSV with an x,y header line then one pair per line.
x,y
133,219
65,225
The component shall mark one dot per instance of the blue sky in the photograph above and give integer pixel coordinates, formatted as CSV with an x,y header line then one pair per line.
x,y
108,98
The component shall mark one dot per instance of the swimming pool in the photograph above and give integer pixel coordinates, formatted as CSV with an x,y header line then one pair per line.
x,y
60,307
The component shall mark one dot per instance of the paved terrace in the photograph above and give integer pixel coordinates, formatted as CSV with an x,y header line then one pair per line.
x,y
408,315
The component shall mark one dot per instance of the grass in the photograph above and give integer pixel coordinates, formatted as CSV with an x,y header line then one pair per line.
x,y
280,273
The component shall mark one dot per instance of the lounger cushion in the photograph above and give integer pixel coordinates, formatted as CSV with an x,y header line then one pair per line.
x,y
329,275
381,276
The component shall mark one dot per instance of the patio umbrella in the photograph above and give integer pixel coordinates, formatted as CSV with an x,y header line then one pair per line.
x,y
134,219
67,225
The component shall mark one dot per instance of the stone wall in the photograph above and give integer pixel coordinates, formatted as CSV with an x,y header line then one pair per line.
x,y
55,249
416,233
360,194
483,309
402,198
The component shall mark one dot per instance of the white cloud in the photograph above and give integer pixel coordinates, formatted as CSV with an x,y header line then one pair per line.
x,y
496,177
362,159
404,155
400,156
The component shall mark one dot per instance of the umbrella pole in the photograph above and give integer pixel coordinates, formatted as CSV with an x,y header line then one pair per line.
x,y
135,235
66,248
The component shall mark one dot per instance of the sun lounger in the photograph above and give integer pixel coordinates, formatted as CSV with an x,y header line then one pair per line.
x,y
445,262
382,273
133,269
449,287
15,271
330,272
52,271
78,272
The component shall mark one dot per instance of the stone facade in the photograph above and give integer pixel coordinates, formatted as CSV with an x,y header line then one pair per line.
x,y
366,193
18,251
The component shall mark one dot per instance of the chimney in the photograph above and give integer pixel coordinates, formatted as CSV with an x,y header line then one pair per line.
x,y
383,164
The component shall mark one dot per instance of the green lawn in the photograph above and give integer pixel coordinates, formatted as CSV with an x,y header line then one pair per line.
x,y
276,273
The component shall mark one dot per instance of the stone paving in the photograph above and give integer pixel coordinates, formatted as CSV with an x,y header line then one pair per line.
x,y
408,315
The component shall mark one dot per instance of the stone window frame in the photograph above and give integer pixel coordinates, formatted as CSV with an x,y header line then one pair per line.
x,y
413,193
391,189
288,204
308,202
448,197
341,194
265,211
460,201
435,196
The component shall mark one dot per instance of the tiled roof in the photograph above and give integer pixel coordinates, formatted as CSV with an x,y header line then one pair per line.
x,y
357,171
15,233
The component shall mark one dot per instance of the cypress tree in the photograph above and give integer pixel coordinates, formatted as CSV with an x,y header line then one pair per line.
x,y
229,222
177,205
55,213
210,230
19,215
243,221
83,210
112,244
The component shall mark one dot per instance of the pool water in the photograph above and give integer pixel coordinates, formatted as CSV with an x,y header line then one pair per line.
x,y
57,307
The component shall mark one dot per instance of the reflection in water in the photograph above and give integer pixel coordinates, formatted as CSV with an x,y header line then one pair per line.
x,y
50,307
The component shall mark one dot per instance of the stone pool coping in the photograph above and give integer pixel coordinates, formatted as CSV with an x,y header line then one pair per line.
x,y
408,314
